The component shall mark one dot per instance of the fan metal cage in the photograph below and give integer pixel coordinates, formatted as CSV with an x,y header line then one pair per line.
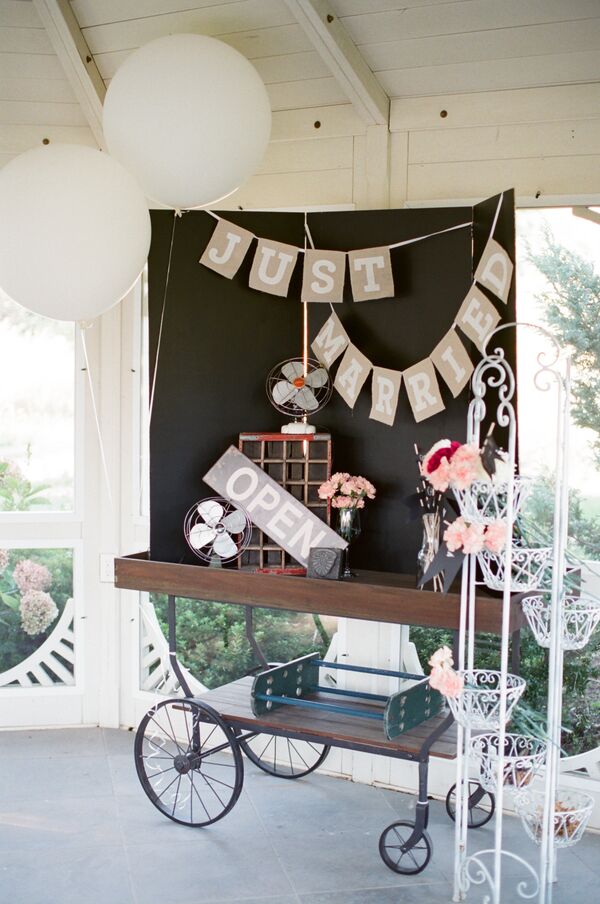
x,y
478,704
580,615
297,388
524,757
217,531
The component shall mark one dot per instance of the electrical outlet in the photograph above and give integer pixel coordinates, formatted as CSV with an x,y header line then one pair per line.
x,y
107,568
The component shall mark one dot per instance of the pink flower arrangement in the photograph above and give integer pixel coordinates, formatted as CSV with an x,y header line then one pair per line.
x,y
495,536
346,491
443,678
468,538
452,464
29,575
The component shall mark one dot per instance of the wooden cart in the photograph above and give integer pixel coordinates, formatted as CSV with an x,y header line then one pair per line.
x,y
188,750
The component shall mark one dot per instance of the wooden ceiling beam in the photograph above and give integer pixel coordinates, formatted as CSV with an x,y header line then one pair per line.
x,y
76,59
337,49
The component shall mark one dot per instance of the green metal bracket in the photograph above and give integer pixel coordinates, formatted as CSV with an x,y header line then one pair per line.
x,y
410,707
292,679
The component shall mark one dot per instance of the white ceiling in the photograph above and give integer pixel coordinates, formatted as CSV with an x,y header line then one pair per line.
x,y
414,47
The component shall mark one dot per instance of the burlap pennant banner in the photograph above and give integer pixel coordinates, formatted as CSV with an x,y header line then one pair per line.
x,y
452,362
495,270
385,394
352,374
227,249
323,276
331,341
423,391
371,274
371,277
477,316
272,267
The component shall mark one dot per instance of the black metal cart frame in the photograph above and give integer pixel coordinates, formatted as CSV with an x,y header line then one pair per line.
x,y
188,750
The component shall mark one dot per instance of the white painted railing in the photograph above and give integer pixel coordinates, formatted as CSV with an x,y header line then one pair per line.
x,y
33,670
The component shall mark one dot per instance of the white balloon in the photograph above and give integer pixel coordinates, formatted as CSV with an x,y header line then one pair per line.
x,y
190,117
74,231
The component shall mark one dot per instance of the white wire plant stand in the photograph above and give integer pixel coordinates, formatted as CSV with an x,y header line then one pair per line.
x,y
484,690
553,817
524,757
484,502
580,616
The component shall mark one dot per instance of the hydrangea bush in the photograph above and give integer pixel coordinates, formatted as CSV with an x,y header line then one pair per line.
x,y
35,585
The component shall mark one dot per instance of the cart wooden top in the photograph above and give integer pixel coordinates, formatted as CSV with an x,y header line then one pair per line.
x,y
232,701
373,595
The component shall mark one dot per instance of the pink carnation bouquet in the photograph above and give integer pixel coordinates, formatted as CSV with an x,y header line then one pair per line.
x,y
452,464
462,536
346,491
443,678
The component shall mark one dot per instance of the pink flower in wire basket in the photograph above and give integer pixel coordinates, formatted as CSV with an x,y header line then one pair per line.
x,y
442,658
495,536
466,467
443,678
440,478
446,681
467,538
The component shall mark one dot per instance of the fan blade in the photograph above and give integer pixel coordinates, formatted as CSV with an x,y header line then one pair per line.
x,y
224,546
283,392
201,535
235,522
210,511
306,400
318,377
291,370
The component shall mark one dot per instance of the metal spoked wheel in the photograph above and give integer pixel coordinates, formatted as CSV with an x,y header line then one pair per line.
x,y
188,762
481,805
283,757
400,853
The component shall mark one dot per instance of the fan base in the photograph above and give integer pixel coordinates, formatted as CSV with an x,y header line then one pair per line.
x,y
298,428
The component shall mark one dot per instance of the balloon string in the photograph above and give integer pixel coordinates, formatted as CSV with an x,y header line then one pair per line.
x,y
176,216
96,418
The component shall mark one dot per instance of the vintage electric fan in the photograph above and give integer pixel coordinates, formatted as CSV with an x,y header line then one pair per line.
x,y
217,531
299,387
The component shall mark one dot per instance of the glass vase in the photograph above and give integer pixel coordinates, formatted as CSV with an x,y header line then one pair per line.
x,y
429,548
348,527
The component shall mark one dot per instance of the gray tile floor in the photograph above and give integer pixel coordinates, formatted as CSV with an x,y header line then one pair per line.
x,y
76,828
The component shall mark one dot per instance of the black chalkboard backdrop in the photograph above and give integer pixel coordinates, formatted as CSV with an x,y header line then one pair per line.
x,y
220,339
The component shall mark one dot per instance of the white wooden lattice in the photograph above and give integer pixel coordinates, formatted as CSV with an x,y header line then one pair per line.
x,y
156,674
43,667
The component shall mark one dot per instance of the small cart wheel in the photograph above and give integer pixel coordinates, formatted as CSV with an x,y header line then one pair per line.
x,y
283,757
188,762
398,856
481,805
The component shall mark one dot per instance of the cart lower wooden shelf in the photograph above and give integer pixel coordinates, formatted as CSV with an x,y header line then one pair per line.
x,y
232,702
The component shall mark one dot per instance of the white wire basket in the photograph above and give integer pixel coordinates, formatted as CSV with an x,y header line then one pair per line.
x,y
524,756
580,616
478,704
531,568
572,811
484,502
